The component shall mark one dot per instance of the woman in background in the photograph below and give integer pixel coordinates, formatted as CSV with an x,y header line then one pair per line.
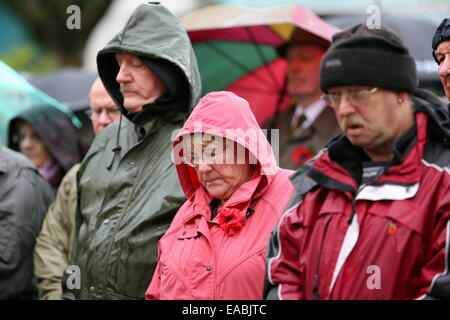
x,y
47,137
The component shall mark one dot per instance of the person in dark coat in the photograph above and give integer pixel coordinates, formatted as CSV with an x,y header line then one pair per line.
x,y
47,137
24,198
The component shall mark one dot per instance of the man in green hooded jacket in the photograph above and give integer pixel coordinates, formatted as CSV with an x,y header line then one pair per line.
x,y
128,186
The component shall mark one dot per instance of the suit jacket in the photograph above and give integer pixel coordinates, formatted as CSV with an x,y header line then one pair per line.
x,y
295,150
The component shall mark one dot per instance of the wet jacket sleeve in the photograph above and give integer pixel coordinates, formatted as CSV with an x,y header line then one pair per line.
x,y
21,215
436,272
283,279
51,255
153,290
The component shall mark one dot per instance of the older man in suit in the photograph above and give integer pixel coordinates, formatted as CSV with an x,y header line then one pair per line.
x,y
307,125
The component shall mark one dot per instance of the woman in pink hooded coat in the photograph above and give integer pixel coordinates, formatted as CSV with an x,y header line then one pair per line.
x,y
216,244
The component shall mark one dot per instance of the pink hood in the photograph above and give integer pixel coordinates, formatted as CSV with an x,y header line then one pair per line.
x,y
227,115
198,258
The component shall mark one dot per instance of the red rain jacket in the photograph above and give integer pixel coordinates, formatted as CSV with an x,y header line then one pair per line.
x,y
196,258
386,240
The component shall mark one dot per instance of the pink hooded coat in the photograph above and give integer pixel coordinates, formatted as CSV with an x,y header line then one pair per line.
x,y
197,259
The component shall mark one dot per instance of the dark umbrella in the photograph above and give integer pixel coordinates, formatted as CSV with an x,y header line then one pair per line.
x,y
416,33
70,86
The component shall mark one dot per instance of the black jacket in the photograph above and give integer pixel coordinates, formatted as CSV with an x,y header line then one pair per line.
x,y
56,132
24,198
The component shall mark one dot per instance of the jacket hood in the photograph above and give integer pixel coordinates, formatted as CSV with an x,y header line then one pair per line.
x,y
154,34
438,115
56,132
229,116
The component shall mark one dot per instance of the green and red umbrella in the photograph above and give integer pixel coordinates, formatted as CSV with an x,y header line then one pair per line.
x,y
235,50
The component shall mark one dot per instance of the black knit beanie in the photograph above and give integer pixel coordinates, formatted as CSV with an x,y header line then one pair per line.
x,y
359,56
442,33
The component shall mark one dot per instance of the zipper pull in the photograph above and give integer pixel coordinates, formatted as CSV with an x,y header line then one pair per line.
x,y
249,212
350,220
116,151
353,200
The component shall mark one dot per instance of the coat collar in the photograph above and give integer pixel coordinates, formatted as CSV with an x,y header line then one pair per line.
x,y
242,197
339,166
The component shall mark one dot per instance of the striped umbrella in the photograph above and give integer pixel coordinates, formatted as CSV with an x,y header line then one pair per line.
x,y
235,50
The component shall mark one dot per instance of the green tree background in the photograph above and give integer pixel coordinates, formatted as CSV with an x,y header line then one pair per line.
x,y
53,45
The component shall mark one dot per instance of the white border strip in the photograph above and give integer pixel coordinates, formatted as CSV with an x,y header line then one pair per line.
x,y
387,192
350,240
446,169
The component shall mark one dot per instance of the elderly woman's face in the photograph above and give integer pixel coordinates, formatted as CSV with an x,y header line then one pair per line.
x,y
31,145
221,166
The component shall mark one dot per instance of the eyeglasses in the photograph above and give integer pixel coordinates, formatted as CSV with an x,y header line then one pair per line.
x,y
215,156
355,98
110,113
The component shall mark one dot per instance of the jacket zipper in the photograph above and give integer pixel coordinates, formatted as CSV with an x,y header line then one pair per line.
x,y
316,295
316,277
350,219
353,201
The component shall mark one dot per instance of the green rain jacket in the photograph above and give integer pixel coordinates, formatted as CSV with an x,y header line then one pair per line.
x,y
123,211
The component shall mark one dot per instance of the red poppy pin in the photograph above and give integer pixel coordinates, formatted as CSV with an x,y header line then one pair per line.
x,y
301,154
392,228
231,220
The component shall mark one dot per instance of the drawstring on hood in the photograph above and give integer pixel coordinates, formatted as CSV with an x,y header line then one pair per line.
x,y
117,148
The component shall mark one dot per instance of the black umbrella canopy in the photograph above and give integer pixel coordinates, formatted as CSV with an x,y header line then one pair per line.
x,y
70,86
416,33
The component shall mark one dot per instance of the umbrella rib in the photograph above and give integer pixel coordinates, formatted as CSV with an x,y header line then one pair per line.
x,y
262,57
237,63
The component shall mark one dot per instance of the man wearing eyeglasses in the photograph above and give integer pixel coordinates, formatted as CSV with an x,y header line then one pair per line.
x,y
103,111
370,217
306,126
54,243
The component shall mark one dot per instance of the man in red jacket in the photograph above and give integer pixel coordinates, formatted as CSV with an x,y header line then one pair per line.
x,y
370,217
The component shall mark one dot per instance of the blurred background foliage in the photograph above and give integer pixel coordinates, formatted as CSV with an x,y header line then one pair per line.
x,y
35,37
35,34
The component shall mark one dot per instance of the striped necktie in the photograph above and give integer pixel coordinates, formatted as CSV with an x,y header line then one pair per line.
x,y
298,124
